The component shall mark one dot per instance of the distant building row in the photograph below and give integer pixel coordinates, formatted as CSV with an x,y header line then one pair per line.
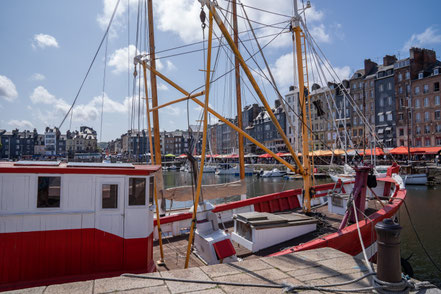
x,y
17,144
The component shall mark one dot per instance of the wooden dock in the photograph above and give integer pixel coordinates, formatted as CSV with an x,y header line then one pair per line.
x,y
323,266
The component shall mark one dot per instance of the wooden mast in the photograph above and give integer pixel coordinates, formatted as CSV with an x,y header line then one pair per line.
x,y
204,139
305,138
238,95
152,58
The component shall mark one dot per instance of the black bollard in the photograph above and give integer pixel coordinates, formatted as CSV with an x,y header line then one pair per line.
x,y
388,257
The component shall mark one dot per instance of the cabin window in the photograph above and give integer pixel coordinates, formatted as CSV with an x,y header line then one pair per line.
x,y
109,196
48,192
137,191
151,188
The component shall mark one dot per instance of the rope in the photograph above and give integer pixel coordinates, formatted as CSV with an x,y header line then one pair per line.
x,y
286,287
91,64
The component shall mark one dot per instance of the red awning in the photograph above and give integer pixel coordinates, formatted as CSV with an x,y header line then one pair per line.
x,y
427,150
182,156
377,151
266,155
400,150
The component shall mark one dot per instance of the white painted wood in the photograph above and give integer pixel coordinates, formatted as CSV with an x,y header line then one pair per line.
x,y
110,220
138,222
15,192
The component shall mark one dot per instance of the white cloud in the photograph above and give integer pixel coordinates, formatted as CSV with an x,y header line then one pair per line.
x,y
170,66
162,87
20,124
41,95
7,89
429,36
56,108
319,34
283,72
120,15
313,15
171,110
122,59
42,41
38,77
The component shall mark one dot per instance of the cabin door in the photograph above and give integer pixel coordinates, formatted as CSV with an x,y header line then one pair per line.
x,y
109,236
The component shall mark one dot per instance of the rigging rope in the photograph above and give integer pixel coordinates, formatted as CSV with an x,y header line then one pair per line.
x,y
104,87
91,64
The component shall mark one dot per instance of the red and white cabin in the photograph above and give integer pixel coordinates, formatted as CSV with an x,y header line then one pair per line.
x,y
63,222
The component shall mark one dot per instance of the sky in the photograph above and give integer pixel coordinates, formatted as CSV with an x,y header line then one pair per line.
x,y
46,48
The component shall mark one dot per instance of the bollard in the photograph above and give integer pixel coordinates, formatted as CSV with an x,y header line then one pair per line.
x,y
388,257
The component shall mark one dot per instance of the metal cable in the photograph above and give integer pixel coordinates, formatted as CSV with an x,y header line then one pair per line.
x,y
91,64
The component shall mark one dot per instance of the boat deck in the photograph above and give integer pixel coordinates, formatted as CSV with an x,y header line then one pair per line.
x,y
175,248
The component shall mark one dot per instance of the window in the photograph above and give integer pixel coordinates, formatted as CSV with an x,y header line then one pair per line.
x,y
401,116
48,192
361,85
426,129
137,191
438,141
417,90
437,114
426,116
381,118
427,142
355,123
426,89
151,188
426,102
400,77
401,132
436,71
381,102
436,87
407,75
389,86
389,116
418,117
407,89
420,75
418,130
354,133
109,196
381,88
438,128
372,93
417,103
360,132
389,100
400,90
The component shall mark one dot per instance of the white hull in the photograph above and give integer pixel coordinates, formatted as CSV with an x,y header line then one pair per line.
x,y
416,179
233,171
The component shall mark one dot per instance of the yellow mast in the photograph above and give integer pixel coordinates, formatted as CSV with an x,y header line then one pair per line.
x,y
158,222
204,139
238,95
302,100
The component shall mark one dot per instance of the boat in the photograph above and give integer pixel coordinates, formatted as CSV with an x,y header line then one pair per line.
x,y
272,173
229,169
65,222
89,227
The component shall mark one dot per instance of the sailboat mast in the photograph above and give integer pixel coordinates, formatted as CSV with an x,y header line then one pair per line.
x,y
152,58
302,99
238,95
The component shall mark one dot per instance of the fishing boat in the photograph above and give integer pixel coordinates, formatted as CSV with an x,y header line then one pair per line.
x,y
64,222
274,173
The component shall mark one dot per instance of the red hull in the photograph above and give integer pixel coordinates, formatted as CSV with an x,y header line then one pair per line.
x,y
48,257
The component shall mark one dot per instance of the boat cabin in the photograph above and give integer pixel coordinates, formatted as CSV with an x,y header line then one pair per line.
x,y
74,221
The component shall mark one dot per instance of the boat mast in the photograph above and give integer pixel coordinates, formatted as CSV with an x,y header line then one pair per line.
x,y
152,58
302,100
156,135
238,95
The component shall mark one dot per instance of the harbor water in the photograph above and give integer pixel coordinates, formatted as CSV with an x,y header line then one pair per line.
x,y
424,204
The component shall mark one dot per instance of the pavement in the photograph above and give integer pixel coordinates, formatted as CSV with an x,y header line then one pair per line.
x,y
314,267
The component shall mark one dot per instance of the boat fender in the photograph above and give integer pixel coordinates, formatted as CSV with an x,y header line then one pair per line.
x,y
371,181
406,266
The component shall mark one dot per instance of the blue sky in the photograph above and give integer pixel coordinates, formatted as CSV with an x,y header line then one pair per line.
x,y
47,46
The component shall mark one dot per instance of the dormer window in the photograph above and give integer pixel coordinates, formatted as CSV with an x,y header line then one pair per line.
x,y
436,71
420,75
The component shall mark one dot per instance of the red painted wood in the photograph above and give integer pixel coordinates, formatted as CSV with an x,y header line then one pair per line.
x,y
224,249
138,170
46,257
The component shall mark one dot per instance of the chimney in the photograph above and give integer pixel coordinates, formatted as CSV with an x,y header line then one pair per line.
x,y
291,88
370,67
389,59
277,103
315,87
